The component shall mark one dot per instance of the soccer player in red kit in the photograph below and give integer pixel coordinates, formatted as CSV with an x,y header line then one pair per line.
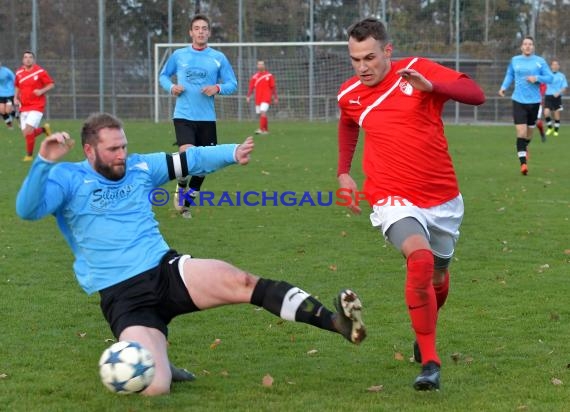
x,y
31,84
409,176
263,83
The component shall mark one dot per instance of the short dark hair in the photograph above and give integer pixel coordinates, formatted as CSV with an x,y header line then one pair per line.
x,y
199,16
96,122
29,52
528,38
369,27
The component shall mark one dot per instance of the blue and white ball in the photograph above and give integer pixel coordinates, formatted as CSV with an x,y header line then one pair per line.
x,y
126,367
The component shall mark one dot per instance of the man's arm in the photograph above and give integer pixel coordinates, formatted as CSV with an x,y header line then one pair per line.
x,y
40,196
165,76
228,81
463,90
347,140
202,160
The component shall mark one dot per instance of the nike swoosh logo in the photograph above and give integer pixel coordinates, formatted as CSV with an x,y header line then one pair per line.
x,y
410,307
88,181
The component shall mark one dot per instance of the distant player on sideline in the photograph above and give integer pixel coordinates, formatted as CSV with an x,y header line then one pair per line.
x,y
527,71
31,85
201,74
553,98
7,77
263,83
103,210
410,179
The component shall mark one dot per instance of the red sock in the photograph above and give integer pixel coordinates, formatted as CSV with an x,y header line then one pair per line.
x,y
422,303
263,123
37,131
441,291
540,126
30,140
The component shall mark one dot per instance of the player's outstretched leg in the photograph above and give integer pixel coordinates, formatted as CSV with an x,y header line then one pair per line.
x,y
291,303
181,374
349,316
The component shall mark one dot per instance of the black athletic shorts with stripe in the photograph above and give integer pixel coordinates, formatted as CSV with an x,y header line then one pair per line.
x,y
152,298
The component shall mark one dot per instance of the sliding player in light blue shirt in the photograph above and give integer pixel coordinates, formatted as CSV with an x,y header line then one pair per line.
x,y
103,206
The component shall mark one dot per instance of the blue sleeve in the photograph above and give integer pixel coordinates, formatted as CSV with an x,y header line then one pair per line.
x,y
169,69
228,81
207,159
200,160
509,76
33,201
545,75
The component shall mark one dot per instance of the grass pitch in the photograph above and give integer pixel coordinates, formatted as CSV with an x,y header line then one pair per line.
x,y
503,334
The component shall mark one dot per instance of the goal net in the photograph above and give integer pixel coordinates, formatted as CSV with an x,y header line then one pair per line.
x,y
307,74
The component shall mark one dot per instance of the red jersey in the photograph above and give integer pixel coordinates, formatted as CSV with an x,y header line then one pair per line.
x,y
29,80
264,85
405,149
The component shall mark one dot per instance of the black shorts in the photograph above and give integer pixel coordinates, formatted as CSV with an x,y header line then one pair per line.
x,y
7,99
195,133
553,103
152,298
525,113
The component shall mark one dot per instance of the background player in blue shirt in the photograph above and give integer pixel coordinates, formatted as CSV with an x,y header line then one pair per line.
x,y
201,73
526,71
553,98
103,207
6,95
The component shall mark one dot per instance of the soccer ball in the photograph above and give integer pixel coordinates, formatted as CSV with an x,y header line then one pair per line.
x,y
126,367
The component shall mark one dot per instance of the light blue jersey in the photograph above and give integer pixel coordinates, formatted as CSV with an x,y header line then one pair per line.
x,y
109,225
7,77
519,69
195,69
557,85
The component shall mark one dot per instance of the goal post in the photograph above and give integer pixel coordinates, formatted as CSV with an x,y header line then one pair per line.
x,y
307,74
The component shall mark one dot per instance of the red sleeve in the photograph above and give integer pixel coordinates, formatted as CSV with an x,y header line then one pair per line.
x,y
347,140
463,90
272,85
251,86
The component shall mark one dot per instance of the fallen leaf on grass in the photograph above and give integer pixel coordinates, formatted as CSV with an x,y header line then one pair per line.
x,y
263,172
109,340
376,388
312,352
215,344
81,334
267,381
567,252
333,268
556,381
399,356
224,373
455,357
3,376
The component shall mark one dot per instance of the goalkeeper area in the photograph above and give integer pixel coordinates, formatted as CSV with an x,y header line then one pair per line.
x,y
308,76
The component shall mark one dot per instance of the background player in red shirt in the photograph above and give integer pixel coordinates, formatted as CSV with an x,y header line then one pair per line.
x,y
409,175
263,83
31,84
